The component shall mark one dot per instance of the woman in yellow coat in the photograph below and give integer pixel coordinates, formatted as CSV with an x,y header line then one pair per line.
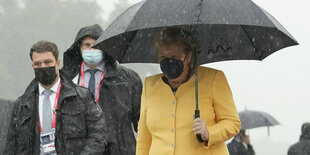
x,y
167,125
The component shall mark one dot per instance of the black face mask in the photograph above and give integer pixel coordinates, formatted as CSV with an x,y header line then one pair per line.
x,y
46,75
171,67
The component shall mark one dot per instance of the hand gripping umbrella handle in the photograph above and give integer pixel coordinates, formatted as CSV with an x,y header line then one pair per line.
x,y
197,112
197,115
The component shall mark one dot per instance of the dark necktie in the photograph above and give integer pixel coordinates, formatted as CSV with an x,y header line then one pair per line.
x,y
92,81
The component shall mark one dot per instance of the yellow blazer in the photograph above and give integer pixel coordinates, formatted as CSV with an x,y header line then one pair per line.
x,y
166,119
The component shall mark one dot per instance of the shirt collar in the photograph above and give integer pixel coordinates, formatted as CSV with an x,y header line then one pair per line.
x,y
53,88
99,67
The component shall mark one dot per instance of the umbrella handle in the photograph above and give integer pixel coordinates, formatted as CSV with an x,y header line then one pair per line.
x,y
197,115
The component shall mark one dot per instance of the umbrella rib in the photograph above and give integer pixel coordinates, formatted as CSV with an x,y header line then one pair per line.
x,y
196,61
135,15
197,45
259,55
123,53
198,18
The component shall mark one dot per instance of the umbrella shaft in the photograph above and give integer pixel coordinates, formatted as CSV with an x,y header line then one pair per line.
x,y
196,88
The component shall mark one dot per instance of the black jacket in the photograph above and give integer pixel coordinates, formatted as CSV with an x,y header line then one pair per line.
x,y
236,147
80,126
119,96
303,146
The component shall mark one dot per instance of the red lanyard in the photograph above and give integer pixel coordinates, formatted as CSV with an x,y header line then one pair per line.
x,y
55,108
83,80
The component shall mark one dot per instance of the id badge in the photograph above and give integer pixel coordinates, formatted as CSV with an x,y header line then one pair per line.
x,y
48,142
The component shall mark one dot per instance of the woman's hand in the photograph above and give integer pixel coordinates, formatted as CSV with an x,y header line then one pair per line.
x,y
200,127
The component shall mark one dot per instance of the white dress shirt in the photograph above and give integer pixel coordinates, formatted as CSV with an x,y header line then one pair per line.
x,y
52,101
52,98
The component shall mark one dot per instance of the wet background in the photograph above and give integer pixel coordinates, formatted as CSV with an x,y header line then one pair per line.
x,y
279,85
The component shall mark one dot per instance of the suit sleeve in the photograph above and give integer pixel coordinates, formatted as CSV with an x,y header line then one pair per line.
x,y
228,122
10,147
96,128
136,101
144,136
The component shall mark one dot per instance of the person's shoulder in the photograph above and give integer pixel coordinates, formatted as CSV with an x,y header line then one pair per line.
x,y
293,149
17,103
209,72
70,73
302,144
208,69
120,70
84,94
153,79
232,142
129,72
82,91
29,92
19,99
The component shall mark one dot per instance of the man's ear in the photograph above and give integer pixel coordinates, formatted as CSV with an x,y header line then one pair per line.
x,y
58,62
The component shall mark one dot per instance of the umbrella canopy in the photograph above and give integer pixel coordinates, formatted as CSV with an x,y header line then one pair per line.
x,y
224,30
253,119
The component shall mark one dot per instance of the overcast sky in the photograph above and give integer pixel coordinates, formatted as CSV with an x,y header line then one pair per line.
x,y
279,85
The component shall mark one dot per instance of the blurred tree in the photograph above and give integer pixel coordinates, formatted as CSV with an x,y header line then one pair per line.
x,y
24,22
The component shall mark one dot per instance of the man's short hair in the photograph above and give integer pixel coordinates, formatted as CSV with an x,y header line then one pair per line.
x,y
44,46
177,36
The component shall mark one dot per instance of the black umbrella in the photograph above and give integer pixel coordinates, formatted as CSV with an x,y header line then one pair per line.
x,y
224,30
253,119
